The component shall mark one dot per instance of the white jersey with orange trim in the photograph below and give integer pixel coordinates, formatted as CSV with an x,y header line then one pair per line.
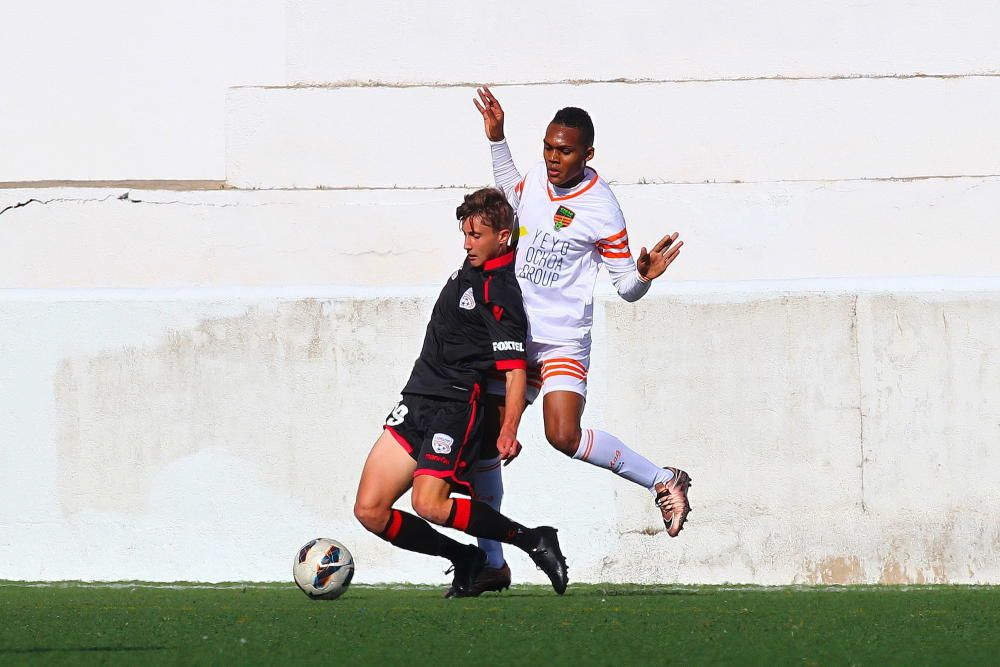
x,y
565,237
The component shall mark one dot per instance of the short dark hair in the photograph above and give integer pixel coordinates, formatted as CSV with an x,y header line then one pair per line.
x,y
578,119
490,207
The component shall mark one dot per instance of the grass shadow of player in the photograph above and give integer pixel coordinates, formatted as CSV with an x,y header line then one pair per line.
x,y
81,649
591,590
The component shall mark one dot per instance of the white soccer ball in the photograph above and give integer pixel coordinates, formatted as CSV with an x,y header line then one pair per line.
x,y
323,569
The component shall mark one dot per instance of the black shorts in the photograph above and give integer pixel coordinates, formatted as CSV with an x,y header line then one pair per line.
x,y
440,434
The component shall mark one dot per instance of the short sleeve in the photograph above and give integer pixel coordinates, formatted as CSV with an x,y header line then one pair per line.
x,y
506,321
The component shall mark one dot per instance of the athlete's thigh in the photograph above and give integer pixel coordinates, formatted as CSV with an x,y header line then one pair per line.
x,y
428,490
562,410
387,474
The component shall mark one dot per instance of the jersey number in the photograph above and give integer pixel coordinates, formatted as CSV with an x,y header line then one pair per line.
x,y
397,415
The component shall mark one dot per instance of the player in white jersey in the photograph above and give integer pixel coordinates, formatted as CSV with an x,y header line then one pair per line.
x,y
571,225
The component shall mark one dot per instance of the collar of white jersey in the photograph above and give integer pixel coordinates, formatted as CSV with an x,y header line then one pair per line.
x,y
562,194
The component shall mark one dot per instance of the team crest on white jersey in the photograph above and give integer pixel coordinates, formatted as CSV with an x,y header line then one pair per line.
x,y
442,443
467,302
563,217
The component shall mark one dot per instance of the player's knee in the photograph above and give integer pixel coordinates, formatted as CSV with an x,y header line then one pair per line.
x,y
563,437
372,517
431,508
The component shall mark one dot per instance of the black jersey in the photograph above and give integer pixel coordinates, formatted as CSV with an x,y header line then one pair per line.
x,y
478,324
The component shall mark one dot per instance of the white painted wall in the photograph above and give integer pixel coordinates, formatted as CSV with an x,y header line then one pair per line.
x,y
145,427
405,42
93,238
150,429
652,132
110,89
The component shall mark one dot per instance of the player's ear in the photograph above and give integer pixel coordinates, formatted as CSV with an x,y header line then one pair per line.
x,y
503,236
590,154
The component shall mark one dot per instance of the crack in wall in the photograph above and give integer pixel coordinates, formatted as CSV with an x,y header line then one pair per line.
x,y
132,200
861,406
857,76
45,202
126,197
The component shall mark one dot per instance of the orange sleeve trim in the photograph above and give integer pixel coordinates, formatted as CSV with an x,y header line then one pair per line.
x,y
610,246
616,255
614,237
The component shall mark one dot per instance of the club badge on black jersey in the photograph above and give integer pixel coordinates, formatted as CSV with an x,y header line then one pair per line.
x,y
467,302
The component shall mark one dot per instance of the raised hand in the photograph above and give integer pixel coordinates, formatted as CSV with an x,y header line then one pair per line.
x,y
492,113
652,264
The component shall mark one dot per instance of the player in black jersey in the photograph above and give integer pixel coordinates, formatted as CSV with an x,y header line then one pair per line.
x,y
431,438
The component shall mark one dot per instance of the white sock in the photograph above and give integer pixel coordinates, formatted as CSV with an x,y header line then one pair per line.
x,y
601,449
488,483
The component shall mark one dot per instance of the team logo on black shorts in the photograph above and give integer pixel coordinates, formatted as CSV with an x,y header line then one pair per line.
x,y
442,443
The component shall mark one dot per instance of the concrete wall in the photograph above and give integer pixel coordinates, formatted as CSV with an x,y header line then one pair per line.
x,y
96,238
406,42
835,436
646,132
110,89
823,358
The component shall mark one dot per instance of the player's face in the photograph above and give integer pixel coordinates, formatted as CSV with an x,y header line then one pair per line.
x,y
482,242
565,155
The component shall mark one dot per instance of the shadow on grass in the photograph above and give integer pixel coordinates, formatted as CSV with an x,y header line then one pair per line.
x,y
90,649
593,591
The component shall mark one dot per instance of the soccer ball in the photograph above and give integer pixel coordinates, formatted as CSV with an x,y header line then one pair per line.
x,y
323,569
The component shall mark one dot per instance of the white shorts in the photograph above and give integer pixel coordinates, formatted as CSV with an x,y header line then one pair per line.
x,y
551,367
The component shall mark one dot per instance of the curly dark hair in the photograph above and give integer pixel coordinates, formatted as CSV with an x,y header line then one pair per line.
x,y
489,207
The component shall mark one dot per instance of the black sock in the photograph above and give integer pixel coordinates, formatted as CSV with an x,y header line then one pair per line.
x,y
412,533
480,520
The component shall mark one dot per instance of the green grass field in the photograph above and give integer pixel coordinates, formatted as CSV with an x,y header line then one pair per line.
x,y
604,625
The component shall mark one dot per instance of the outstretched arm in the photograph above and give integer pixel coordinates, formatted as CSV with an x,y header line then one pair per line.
x,y
632,279
505,173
